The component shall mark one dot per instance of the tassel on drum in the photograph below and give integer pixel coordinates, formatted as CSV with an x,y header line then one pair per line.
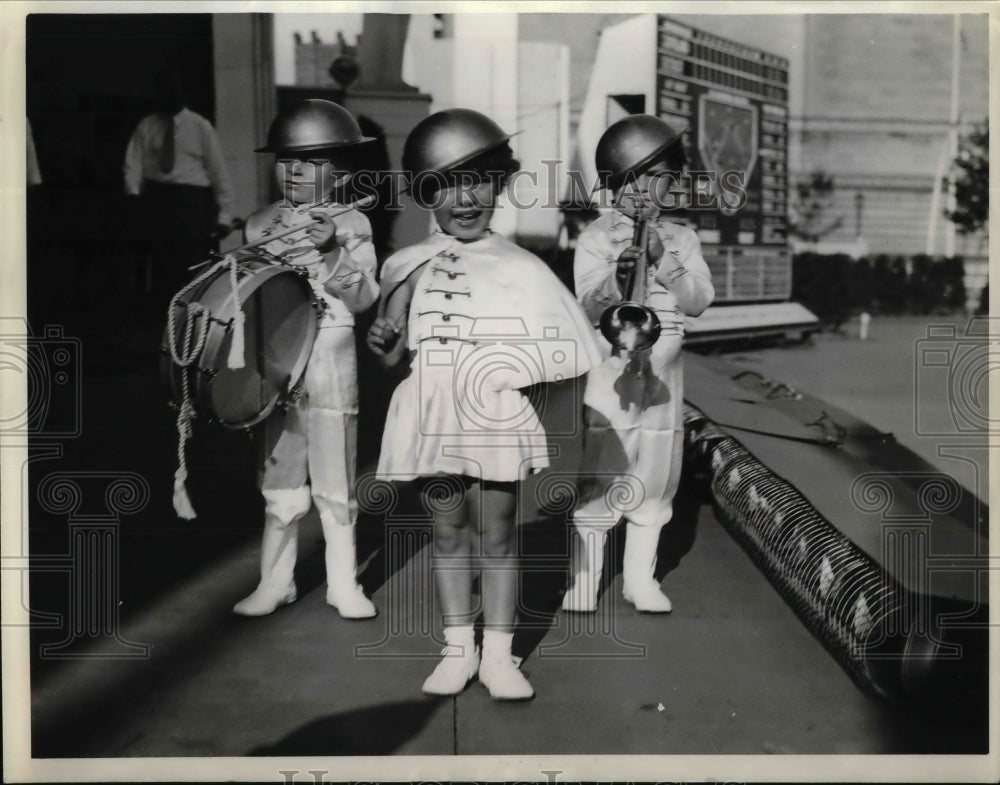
x,y
236,357
182,503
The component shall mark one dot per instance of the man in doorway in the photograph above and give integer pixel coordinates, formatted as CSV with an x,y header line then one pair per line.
x,y
175,167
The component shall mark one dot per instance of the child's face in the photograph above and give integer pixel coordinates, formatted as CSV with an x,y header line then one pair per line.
x,y
465,211
646,195
307,179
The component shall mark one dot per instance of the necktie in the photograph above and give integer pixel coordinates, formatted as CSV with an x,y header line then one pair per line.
x,y
167,153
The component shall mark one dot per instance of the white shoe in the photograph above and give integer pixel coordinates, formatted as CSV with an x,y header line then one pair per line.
x,y
454,672
639,586
586,568
265,600
500,675
499,672
580,598
351,602
648,598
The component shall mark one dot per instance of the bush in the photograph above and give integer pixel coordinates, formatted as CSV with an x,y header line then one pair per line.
x,y
822,284
889,284
921,288
834,287
955,295
861,287
936,285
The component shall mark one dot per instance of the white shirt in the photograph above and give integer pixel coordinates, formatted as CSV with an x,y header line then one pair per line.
x,y
355,264
198,158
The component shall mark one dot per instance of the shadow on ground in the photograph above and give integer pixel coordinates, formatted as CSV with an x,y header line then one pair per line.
x,y
376,730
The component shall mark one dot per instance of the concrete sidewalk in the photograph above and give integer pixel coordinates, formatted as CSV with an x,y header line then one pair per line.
x,y
731,670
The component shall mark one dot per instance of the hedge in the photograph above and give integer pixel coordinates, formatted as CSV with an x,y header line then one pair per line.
x,y
984,301
835,286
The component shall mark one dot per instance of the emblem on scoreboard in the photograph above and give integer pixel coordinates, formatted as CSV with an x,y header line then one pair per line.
x,y
727,134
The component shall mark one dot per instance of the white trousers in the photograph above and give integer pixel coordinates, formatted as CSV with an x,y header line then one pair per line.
x,y
633,439
313,445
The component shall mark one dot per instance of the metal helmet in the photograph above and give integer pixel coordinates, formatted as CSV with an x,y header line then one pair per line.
x,y
446,140
630,145
313,124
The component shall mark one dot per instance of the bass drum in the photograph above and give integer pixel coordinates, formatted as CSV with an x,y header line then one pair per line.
x,y
281,319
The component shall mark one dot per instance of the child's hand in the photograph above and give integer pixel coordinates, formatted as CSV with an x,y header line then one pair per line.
x,y
627,261
669,270
324,232
383,336
667,274
654,248
629,258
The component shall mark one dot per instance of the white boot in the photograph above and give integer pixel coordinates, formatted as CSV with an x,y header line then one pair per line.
x,y
278,552
639,586
342,589
277,556
499,670
586,568
460,663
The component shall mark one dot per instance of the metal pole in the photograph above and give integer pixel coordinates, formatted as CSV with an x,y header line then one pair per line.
x,y
934,217
956,85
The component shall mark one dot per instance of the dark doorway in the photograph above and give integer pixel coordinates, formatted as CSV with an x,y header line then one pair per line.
x,y
89,80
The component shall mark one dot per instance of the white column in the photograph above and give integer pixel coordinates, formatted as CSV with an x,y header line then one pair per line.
x,y
243,52
485,74
564,101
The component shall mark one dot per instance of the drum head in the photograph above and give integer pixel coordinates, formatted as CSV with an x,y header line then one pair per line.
x,y
280,323
280,327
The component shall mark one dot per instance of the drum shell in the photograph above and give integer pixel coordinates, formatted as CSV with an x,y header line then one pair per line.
x,y
281,319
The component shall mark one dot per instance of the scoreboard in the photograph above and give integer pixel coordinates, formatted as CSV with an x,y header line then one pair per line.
x,y
732,101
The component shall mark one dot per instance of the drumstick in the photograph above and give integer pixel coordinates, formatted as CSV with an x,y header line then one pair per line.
x,y
291,229
368,200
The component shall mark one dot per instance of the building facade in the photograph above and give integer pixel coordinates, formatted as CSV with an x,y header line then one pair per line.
x,y
875,101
